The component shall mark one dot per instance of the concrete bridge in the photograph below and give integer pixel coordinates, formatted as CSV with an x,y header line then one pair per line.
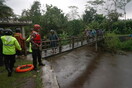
x,y
85,67
49,77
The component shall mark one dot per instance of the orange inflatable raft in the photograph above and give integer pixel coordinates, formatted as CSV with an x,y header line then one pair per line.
x,y
24,68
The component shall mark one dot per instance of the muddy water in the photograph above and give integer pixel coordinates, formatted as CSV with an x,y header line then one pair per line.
x,y
85,68
112,72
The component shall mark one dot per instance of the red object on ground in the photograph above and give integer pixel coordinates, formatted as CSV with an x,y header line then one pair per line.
x,y
19,68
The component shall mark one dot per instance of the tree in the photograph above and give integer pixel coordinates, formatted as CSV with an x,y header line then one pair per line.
x,y
113,16
88,17
1,2
91,14
99,18
5,11
35,12
73,14
122,6
75,27
96,4
54,19
25,15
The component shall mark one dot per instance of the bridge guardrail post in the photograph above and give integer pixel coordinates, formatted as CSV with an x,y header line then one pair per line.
x,y
81,38
73,41
70,42
60,46
96,40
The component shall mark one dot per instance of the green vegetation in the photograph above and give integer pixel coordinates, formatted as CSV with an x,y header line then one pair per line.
x,y
5,11
20,80
72,24
51,17
116,42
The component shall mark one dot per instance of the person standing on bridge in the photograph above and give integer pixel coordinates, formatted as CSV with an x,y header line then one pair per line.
x,y
36,45
10,44
53,37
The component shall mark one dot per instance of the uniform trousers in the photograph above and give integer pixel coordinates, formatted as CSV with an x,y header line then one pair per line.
x,y
9,61
36,54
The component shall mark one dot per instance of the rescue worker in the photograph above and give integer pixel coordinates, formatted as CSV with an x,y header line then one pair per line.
x,y
21,41
1,55
36,46
10,44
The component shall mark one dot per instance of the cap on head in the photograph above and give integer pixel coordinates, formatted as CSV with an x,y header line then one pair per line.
x,y
8,32
37,26
18,29
1,29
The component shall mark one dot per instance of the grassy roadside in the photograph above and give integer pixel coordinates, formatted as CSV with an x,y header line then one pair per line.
x,y
114,42
30,79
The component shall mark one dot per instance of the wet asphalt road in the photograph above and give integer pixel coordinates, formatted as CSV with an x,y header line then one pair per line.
x,y
84,68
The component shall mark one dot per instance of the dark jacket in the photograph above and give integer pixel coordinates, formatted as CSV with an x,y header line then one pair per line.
x,y
1,44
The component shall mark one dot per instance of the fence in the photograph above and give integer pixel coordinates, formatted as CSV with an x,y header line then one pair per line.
x,y
67,44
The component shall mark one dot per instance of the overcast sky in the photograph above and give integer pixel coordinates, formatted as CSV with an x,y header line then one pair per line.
x,y
19,5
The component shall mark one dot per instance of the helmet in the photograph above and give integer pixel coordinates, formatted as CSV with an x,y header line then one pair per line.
x,y
1,29
18,29
8,32
37,26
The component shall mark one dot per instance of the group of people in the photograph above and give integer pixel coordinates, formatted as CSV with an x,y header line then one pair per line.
x,y
91,34
11,44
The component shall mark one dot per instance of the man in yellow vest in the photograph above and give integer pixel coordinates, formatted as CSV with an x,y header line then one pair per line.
x,y
10,44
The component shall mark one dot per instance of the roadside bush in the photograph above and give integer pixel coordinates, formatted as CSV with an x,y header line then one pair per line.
x,y
113,43
63,37
127,45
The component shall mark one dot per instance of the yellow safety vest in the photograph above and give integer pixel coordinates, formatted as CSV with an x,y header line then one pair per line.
x,y
10,44
28,39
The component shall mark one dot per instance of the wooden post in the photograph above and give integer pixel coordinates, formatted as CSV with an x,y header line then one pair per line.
x,y
70,42
81,40
96,45
60,46
73,42
77,40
